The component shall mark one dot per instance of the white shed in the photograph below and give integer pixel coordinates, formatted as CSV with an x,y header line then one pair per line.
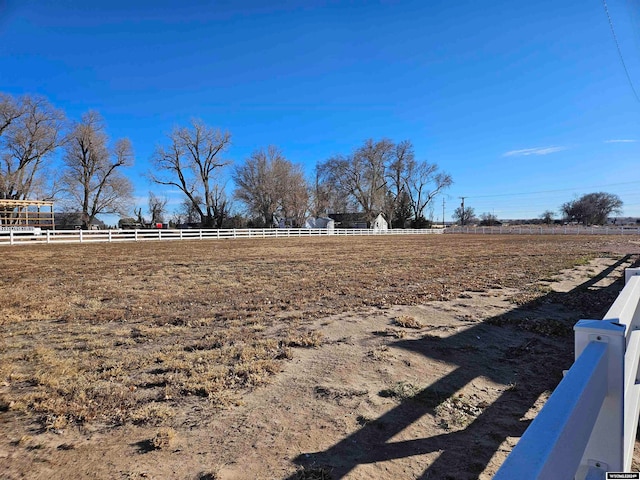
x,y
320,222
380,224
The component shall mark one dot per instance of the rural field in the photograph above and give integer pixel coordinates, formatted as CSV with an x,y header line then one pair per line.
x,y
316,358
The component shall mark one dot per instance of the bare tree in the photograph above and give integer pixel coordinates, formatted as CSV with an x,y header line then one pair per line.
x,y
423,183
177,218
187,213
326,197
397,205
547,216
488,219
30,131
464,216
361,175
157,208
385,177
139,218
221,206
190,162
92,176
10,111
592,208
272,187
256,185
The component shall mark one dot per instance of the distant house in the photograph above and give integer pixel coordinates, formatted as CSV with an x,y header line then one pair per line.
x,y
349,220
73,221
320,222
358,220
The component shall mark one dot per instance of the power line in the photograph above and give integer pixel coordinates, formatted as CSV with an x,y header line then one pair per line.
x,y
615,39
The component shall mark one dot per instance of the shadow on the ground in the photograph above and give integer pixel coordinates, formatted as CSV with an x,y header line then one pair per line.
x,y
144,446
527,368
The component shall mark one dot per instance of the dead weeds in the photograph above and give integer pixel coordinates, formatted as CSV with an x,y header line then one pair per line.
x,y
408,321
163,439
117,333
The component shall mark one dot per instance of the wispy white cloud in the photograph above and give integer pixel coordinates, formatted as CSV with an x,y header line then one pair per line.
x,y
533,151
622,140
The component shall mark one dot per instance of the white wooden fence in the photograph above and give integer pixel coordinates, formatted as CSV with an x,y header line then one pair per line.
x,y
588,425
94,236
546,230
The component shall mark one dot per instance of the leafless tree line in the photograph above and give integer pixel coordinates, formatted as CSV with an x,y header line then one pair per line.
x,y
272,187
90,181
378,177
589,209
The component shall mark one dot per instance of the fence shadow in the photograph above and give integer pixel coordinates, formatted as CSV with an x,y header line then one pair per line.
x,y
527,369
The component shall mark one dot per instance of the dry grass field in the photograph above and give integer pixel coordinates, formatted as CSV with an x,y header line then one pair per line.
x,y
113,354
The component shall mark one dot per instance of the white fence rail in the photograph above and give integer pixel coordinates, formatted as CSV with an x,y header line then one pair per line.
x,y
588,426
545,230
94,236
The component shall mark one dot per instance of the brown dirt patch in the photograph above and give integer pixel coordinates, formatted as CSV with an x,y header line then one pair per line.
x,y
288,358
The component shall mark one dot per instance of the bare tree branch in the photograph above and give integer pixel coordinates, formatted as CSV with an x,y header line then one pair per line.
x,y
30,131
361,175
190,162
423,183
157,208
384,177
92,176
271,186
592,208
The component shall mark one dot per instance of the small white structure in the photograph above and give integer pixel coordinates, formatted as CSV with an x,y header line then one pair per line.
x,y
380,224
320,222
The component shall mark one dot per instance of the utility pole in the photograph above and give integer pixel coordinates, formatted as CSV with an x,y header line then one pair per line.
x,y
443,223
463,213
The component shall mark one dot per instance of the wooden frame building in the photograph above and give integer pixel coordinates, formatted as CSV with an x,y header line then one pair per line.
x,y
26,213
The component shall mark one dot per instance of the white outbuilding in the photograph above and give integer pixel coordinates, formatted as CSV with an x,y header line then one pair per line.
x,y
320,222
380,224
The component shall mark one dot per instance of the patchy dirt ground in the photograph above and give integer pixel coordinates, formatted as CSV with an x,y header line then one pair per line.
x,y
441,387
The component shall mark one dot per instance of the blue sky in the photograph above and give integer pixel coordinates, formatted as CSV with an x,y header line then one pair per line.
x,y
526,104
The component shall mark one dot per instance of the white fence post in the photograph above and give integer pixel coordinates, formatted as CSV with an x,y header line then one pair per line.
x,y
630,272
604,452
579,431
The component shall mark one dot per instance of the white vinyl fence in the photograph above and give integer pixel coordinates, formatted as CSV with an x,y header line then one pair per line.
x,y
545,230
588,425
93,236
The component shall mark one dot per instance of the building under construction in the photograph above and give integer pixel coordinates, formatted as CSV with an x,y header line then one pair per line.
x,y
19,214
